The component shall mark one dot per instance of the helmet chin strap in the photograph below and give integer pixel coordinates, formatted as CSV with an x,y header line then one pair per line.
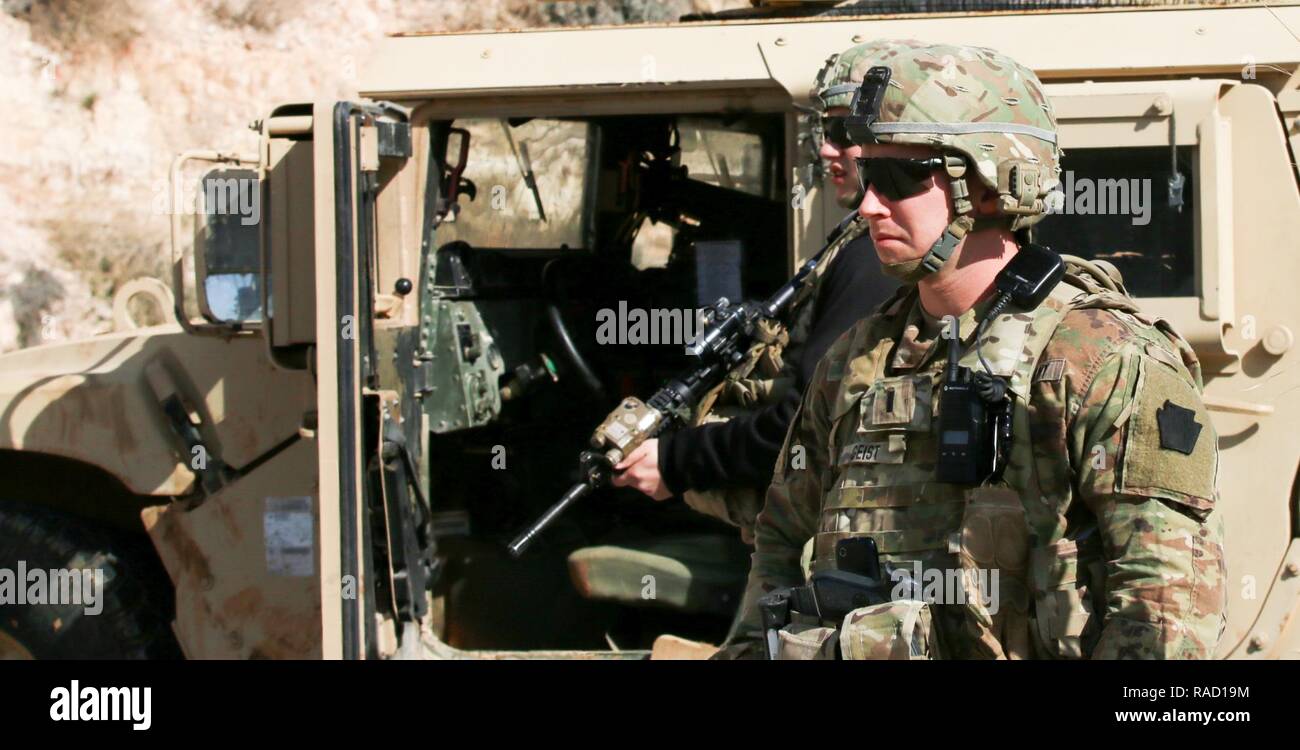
x,y
941,251
963,223
963,218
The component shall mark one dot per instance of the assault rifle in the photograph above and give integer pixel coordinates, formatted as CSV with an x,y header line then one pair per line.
x,y
727,335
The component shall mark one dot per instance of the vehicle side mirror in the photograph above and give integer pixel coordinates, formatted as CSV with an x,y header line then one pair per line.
x,y
227,259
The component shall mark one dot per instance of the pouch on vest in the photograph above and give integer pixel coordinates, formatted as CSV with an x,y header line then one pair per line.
x,y
902,629
1066,624
806,643
993,550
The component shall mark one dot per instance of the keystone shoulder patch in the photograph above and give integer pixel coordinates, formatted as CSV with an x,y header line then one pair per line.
x,y
1179,429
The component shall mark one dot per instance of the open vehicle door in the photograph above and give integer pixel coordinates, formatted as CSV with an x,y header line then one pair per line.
x,y
376,549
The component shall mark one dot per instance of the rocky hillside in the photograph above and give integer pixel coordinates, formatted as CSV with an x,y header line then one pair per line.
x,y
103,93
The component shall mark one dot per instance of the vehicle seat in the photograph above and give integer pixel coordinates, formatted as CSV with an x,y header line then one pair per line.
x,y
693,573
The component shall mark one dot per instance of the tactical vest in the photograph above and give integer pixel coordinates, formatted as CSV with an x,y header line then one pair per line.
x,y
883,442
761,379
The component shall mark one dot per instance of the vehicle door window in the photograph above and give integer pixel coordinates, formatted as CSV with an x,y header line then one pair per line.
x,y
1117,208
515,168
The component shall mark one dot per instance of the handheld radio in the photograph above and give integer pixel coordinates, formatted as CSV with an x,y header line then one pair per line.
x,y
975,407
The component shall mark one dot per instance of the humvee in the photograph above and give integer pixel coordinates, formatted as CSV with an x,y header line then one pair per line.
x,y
360,397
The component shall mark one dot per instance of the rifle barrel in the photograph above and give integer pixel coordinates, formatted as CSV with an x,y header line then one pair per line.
x,y
575,493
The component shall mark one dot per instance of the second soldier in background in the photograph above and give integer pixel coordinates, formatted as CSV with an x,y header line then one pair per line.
x,y
723,464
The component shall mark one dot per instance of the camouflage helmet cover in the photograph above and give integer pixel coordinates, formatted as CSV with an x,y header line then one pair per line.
x,y
842,74
969,100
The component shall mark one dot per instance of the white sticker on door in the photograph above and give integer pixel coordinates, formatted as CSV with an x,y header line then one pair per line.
x,y
288,528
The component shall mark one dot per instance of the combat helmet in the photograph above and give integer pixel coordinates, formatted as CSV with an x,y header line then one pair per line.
x,y
841,75
979,107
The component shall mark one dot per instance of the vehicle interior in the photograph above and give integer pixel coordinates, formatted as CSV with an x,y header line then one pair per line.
x,y
559,219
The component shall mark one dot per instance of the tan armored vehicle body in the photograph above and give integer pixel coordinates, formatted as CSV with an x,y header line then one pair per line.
x,y
338,478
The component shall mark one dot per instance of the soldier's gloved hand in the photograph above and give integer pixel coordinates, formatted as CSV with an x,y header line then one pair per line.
x,y
640,471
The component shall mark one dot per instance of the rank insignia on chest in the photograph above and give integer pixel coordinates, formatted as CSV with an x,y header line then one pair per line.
x,y
1179,429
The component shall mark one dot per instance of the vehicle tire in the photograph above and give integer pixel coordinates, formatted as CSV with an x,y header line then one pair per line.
x,y
136,599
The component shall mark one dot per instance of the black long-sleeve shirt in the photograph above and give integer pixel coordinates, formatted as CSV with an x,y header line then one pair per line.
x,y
742,451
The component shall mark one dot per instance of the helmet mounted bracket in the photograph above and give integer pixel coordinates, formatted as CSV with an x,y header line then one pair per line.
x,y
864,110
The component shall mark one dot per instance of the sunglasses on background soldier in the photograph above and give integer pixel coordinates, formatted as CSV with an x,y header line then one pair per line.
x,y
894,178
834,131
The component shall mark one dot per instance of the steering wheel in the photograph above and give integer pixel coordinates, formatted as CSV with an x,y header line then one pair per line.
x,y
569,350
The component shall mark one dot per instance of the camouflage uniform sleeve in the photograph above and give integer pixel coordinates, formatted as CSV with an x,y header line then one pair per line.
x,y
789,516
1147,456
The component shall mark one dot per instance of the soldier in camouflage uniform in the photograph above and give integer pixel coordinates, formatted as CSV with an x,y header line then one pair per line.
x,y
1100,540
721,464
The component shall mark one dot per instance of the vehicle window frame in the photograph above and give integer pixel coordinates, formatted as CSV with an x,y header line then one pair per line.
x,y
1134,114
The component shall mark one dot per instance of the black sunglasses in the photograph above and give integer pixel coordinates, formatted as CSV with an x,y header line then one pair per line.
x,y
897,178
835,132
